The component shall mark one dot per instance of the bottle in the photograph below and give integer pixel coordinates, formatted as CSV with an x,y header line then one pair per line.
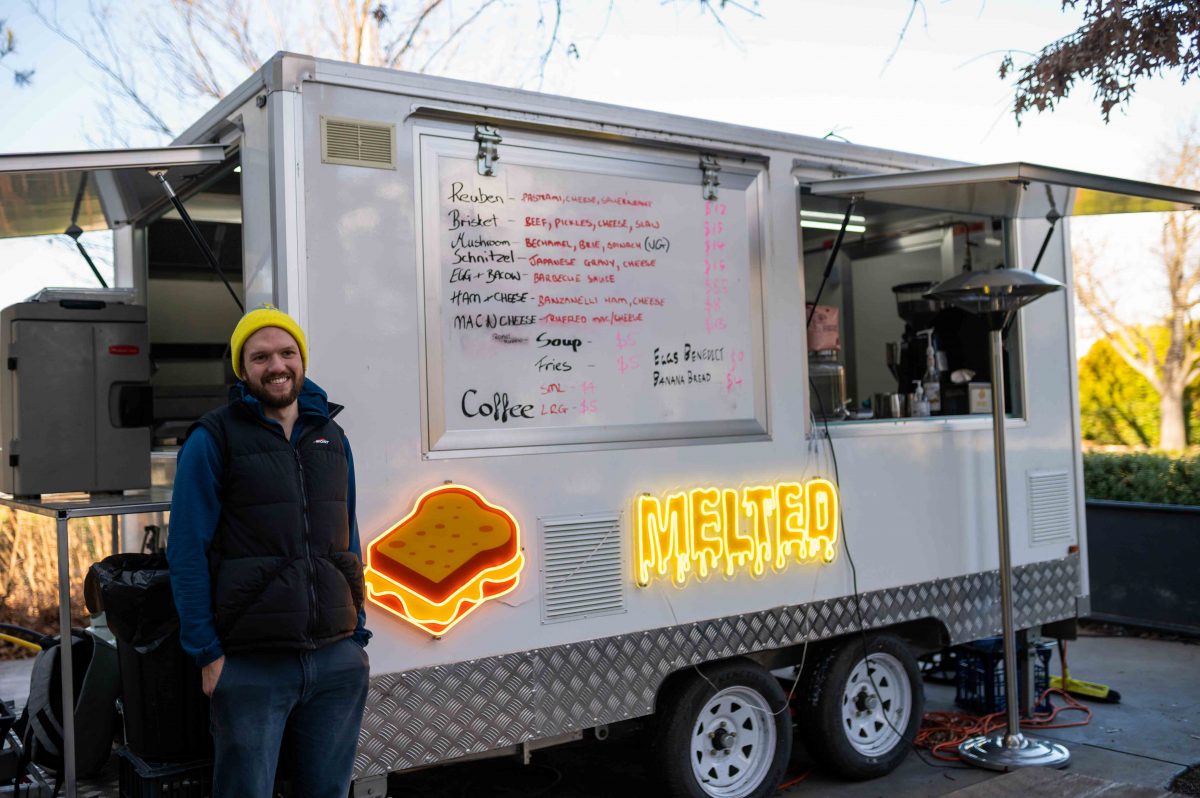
x,y
932,381
920,406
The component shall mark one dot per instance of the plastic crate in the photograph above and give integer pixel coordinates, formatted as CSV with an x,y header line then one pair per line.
x,y
139,779
27,789
979,682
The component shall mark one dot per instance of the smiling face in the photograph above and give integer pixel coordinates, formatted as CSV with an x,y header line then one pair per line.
x,y
273,367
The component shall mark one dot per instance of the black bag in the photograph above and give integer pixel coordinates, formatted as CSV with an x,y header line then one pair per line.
x,y
96,688
166,712
134,593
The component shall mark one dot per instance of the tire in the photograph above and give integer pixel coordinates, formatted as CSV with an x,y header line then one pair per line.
x,y
860,721
723,733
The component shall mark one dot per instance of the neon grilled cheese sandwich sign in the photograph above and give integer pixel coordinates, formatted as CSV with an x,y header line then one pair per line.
x,y
694,533
453,552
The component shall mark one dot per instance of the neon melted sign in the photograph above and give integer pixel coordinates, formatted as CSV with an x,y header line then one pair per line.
x,y
693,533
453,552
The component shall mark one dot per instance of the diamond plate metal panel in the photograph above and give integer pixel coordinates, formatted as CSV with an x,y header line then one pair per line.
x,y
433,714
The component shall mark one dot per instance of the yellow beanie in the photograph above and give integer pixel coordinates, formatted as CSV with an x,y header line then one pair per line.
x,y
264,316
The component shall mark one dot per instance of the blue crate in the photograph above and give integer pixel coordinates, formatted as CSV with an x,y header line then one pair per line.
x,y
979,678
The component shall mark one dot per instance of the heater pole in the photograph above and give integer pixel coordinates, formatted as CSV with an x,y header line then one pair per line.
x,y
1012,749
1006,592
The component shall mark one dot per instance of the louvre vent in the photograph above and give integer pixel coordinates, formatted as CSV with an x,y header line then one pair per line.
x,y
1051,507
581,567
345,141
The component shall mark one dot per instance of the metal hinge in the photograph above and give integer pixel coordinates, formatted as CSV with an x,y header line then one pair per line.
x,y
710,168
489,139
12,364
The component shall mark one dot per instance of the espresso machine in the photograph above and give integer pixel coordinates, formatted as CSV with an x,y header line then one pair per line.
x,y
907,361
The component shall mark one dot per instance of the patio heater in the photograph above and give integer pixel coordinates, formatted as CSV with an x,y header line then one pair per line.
x,y
997,295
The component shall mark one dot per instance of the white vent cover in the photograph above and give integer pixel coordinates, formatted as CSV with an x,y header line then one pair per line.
x,y
582,572
1051,507
354,143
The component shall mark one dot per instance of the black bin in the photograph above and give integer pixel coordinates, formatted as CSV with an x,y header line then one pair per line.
x,y
166,712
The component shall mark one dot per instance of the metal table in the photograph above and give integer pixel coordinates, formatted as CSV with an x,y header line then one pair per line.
x,y
62,509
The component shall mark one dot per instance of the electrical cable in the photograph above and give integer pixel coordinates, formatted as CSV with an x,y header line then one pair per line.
x,y
833,253
20,642
793,782
942,732
837,478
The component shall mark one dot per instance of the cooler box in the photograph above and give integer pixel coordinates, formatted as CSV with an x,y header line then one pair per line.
x,y
75,400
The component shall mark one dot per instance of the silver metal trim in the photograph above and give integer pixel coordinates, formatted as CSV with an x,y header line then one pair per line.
x,y
424,716
956,188
88,160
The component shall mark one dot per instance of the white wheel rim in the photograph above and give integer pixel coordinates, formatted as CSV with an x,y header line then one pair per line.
x,y
733,743
876,704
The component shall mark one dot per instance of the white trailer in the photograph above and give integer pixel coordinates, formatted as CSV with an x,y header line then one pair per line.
x,y
587,324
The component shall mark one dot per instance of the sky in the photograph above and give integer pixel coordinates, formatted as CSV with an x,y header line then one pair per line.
x,y
813,67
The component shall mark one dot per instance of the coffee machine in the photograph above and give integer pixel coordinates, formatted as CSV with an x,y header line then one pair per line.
x,y
908,362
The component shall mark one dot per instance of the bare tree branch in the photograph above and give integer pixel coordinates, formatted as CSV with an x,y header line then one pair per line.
x,y
541,71
194,49
912,10
454,35
8,46
112,67
414,28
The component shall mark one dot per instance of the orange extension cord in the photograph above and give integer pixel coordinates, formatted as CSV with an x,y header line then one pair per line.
x,y
943,731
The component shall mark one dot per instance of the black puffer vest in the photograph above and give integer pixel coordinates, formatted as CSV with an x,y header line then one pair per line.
x,y
281,573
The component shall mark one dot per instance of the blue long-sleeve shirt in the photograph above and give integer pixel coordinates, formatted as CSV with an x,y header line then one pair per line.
x,y
196,508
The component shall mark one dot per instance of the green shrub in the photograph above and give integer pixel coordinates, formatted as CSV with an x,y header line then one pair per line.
x,y
1142,477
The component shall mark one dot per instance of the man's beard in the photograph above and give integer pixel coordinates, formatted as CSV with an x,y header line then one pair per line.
x,y
257,390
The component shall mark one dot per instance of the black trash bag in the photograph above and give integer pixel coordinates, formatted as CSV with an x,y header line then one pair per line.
x,y
134,593
166,712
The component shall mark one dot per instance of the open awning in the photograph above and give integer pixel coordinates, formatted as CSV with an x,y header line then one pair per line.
x,y
1011,190
41,193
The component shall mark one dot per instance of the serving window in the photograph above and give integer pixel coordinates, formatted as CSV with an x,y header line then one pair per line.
x,y
879,349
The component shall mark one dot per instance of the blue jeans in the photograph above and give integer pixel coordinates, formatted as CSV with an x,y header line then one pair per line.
x,y
301,707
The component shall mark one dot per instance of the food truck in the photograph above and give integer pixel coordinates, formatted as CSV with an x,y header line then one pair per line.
x,y
611,468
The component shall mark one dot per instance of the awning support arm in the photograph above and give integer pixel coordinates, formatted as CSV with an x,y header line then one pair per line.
x,y
75,231
833,253
194,231
1052,217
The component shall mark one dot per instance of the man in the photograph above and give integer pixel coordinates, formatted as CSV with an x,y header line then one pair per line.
x,y
266,571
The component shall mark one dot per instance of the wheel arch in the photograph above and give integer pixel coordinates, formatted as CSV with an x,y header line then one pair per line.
x,y
921,635
678,679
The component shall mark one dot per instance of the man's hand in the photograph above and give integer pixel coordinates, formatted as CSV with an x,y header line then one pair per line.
x,y
210,674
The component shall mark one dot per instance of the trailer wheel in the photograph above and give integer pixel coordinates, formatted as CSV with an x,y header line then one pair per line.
x,y
861,707
725,732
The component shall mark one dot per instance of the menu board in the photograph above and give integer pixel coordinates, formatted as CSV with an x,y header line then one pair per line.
x,y
577,298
